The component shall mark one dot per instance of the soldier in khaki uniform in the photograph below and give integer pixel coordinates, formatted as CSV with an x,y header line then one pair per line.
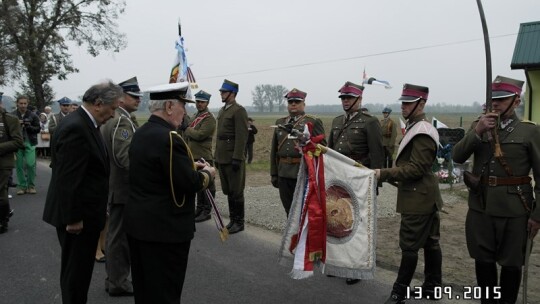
x,y
199,135
117,135
419,199
55,119
10,141
355,134
501,208
285,156
389,133
231,140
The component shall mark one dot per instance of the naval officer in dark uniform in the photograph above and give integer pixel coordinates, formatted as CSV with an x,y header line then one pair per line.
x,y
419,198
285,156
159,218
232,136
501,212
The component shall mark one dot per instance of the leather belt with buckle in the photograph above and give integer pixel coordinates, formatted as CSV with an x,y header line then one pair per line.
x,y
290,160
494,181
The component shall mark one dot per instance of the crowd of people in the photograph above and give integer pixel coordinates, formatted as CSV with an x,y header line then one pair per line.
x,y
163,174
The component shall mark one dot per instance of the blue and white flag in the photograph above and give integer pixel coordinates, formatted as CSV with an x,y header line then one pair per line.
x,y
372,80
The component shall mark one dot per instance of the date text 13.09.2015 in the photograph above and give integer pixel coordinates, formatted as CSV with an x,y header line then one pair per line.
x,y
447,292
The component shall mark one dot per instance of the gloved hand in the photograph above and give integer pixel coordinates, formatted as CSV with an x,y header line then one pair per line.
x,y
236,164
274,181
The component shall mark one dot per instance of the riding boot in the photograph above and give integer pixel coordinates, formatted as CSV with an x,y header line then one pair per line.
x,y
486,278
232,212
5,214
510,282
432,272
238,219
409,259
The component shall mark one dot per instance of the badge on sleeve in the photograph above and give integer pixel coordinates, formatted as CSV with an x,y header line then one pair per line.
x,y
124,134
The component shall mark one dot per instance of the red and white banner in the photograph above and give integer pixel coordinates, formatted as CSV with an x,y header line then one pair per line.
x,y
349,218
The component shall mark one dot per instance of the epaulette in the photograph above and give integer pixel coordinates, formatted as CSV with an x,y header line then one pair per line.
x,y
311,116
529,122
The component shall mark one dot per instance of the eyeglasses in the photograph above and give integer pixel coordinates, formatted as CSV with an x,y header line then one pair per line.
x,y
294,101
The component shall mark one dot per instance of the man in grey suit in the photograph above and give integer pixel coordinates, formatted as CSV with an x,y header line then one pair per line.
x,y
79,159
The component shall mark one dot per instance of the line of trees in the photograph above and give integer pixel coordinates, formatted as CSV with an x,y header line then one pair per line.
x,y
269,98
33,36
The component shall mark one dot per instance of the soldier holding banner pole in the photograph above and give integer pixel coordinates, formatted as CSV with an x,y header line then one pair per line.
x,y
419,199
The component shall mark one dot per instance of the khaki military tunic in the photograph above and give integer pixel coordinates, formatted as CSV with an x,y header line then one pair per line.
x,y
199,135
232,133
389,133
11,139
284,155
358,138
520,144
418,187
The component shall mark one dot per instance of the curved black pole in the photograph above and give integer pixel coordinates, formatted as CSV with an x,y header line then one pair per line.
x,y
488,55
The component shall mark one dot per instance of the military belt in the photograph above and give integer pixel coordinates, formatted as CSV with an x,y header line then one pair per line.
x,y
290,160
494,181
225,137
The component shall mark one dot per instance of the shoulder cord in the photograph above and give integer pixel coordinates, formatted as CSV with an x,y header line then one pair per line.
x,y
171,166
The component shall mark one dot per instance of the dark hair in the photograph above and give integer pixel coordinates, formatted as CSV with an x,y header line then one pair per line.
x,y
107,92
21,97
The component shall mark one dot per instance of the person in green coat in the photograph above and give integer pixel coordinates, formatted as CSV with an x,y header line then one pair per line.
x,y
11,140
502,213
418,199
389,133
231,140
285,156
199,134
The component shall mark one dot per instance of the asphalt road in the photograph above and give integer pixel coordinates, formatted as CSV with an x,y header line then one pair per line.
x,y
244,269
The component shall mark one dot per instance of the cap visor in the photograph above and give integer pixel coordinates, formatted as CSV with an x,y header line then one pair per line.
x,y
501,94
408,98
348,95
136,94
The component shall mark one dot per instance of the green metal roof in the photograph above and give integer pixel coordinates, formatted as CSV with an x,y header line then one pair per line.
x,y
527,50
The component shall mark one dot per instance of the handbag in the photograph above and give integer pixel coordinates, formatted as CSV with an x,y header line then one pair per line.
x,y
45,136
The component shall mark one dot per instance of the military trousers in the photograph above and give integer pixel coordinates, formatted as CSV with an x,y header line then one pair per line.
x,y
493,239
26,166
286,192
118,263
233,182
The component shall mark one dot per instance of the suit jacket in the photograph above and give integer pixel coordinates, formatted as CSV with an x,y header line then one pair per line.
x,y
117,133
79,183
418,187
520,145
156,211
232,133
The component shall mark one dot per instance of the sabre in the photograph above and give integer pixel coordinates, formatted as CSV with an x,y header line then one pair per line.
x,y
218,220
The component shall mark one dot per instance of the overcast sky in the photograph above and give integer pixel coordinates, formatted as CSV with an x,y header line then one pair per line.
x,y
314,46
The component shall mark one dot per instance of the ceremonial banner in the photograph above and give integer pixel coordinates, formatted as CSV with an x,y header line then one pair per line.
x,y
350,220
437,123
180,71
372,81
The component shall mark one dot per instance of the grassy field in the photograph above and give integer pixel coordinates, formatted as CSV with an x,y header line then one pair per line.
x,y
263,139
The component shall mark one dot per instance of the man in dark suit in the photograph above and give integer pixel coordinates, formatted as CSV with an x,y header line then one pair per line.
x,y
159,218
78,212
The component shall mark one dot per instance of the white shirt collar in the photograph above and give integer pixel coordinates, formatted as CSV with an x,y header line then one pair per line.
x,y
90,115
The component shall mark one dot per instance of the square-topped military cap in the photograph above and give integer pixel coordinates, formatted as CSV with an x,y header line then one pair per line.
x,y
296,94
65,101
503,87
351,89
229,86
412,93
131,87
178,91
203,96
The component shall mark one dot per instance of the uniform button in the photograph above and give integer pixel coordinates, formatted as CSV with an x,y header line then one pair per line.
x,y
492,161
414,189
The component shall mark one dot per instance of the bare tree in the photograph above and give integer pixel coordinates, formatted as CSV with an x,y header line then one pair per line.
x,y
38,30
268,96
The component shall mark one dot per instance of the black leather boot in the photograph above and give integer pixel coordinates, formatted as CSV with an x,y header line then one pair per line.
x,y
399,292
232,213
203,216
432,272
238,219
510,282
486,277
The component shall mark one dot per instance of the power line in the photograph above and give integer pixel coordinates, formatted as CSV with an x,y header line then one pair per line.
x,y
353,58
